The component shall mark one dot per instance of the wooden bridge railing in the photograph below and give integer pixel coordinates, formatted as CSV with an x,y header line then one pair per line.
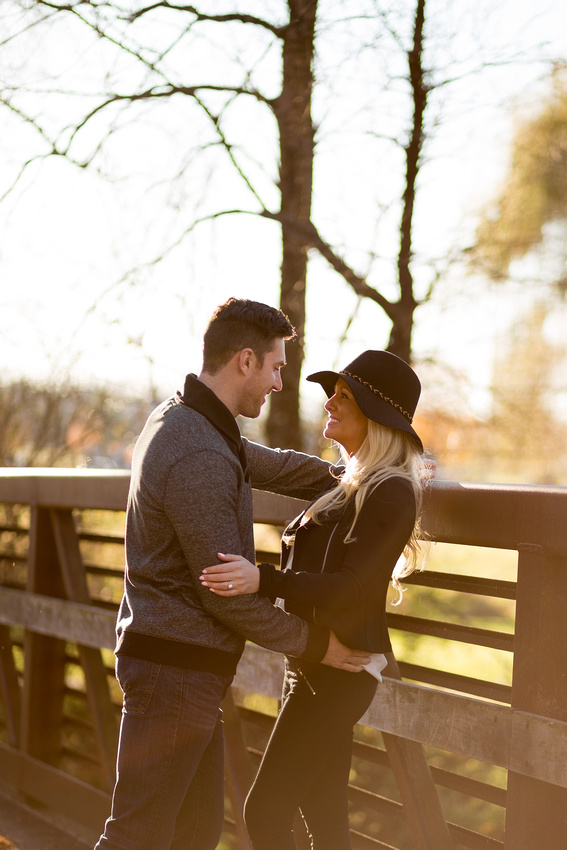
x,y
429,748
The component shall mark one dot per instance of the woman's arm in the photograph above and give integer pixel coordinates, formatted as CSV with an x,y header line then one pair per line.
x,y
383,528
233,577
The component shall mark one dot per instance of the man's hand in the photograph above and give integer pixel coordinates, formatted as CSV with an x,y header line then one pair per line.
x,y
343,658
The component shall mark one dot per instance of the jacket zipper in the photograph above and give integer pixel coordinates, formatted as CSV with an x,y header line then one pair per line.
x,y
325,557
299,670
329,546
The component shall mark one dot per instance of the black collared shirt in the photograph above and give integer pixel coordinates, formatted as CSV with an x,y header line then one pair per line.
x,y
202,399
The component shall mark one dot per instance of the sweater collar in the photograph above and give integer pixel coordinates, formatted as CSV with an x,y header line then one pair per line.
x,y
202,399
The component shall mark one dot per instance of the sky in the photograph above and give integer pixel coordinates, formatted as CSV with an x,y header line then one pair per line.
x,y
72,309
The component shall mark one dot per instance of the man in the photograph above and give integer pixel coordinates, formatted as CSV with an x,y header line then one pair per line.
x,y
178,644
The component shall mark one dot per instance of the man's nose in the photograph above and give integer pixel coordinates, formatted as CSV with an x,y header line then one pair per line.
x,y
278,383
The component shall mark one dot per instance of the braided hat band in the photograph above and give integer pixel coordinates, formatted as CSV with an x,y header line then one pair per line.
x,y
394,404
382,396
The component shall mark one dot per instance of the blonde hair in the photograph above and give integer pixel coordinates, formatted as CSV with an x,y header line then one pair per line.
x,y
385,453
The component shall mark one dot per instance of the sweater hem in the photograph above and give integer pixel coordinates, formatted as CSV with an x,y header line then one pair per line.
x,y
178,654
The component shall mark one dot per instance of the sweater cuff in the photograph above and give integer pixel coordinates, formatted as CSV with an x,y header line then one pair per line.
x,y
317,643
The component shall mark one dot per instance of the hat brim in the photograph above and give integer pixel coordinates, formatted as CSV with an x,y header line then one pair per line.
x,y
371,405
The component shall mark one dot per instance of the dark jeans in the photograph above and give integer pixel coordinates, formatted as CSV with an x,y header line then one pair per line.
x,y
307,762
169,792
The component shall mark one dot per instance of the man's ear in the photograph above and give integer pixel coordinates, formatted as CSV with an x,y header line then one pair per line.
x,y
246,360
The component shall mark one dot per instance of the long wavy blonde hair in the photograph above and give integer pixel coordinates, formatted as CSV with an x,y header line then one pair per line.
x,y
385,453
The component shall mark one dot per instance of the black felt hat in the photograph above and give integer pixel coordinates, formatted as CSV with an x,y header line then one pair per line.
x,y
385,388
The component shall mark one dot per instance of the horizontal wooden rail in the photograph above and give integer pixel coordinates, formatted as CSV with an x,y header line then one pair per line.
x,y
95,489
60,618
454,681
489,515
464,584
492,733
452,631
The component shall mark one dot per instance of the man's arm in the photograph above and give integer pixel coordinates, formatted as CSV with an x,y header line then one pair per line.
x,y
288,472
201,503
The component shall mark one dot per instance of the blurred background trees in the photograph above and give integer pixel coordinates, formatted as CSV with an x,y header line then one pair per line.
x,y
529,213
305,131
156,75
67,426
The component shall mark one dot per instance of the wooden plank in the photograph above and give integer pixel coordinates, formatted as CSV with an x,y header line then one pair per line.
x,y
376,803
261,671
102,489
271,509
364,842
472,728
499,516
413,777
497,588
455,682
238,767
69,621
98,692
64,793
42,696
10,687
443,777
472,787
452,631
537,810
475,840
460,724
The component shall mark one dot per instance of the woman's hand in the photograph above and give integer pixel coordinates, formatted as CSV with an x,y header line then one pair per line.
x,y
231,578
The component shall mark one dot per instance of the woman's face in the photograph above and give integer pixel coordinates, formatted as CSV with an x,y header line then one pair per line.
x,y
346,424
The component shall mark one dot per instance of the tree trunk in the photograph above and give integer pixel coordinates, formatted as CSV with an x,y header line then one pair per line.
x,y
400,335
293,113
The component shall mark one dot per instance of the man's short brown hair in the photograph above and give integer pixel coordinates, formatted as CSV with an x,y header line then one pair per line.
x,y
240,323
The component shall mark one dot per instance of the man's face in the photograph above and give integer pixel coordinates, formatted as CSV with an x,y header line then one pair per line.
x,y
262,380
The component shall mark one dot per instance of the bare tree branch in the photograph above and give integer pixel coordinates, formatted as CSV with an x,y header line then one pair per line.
x,y
130,17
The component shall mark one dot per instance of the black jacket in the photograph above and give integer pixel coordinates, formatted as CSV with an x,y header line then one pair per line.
x,y
344,585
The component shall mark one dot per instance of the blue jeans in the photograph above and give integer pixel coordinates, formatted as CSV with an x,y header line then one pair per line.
x,y
169,791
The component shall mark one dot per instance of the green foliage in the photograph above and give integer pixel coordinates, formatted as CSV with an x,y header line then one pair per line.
x,y
534,192
461,608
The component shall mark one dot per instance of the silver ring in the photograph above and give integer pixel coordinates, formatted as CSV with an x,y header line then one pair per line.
x,y
230,585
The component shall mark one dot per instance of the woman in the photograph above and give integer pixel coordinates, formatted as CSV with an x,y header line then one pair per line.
x,y
338,558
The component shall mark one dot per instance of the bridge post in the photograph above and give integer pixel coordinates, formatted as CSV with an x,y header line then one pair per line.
x,y
423,811
537,810
44,656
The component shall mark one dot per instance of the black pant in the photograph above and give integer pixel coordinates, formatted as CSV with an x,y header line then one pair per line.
x,y
307,762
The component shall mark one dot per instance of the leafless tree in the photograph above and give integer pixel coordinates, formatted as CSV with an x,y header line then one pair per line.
x,y
145,53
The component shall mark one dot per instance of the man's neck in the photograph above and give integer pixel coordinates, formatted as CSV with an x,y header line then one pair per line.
x,y
222,389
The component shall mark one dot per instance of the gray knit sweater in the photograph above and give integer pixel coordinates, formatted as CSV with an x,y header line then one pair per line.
x,y
189,500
